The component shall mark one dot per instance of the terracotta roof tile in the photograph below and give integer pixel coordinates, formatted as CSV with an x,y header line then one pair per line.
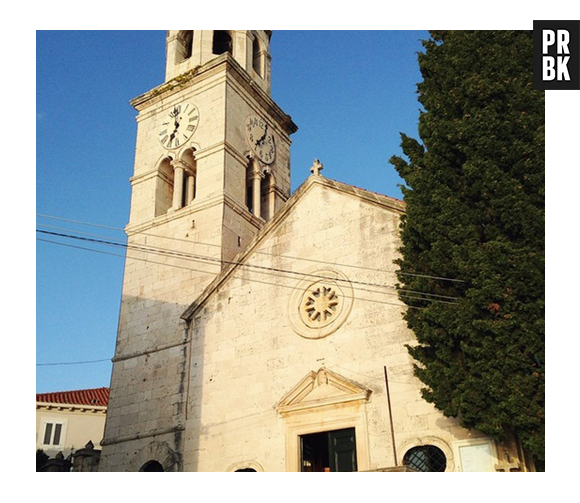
x,y
96,396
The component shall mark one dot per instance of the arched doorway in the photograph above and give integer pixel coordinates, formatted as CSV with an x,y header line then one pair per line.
x,y
152,466
426,458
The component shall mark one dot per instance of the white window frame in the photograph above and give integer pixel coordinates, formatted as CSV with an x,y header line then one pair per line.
x,y
53,421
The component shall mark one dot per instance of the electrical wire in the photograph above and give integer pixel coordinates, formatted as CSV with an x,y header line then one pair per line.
x,y
201,258
251,280
281,273
72,363
308,259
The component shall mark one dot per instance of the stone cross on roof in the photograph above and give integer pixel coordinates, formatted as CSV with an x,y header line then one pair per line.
x,y
316,167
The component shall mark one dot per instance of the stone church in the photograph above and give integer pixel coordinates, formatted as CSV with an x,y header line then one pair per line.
x,y
259,330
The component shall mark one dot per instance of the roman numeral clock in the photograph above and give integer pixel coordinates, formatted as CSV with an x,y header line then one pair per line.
x,y
261,139
178,125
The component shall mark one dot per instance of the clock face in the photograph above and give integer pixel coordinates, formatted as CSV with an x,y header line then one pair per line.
x,y
178,125
261,139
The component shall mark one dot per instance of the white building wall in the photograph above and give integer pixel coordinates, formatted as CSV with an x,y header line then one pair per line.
x,y
246,356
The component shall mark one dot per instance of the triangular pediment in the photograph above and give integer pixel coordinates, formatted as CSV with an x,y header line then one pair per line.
x,y
322,388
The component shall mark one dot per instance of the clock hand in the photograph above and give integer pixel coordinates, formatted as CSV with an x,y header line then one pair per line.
x,y
263,136
175,115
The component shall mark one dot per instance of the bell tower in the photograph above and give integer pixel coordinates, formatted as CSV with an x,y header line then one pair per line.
x,y
212,165
188,49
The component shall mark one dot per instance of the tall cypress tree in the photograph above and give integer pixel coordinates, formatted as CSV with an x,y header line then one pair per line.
x,y
473,233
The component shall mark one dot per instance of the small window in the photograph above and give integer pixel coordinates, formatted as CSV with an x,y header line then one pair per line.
x,y
425,458
52,434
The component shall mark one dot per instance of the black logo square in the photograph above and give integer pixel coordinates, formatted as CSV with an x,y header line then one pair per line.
x,y
556,55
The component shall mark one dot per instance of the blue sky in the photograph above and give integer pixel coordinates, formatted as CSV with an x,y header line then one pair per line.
x,y
351,93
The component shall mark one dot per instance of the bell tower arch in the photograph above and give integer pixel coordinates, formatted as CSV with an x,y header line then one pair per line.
x,y
197,132
188,49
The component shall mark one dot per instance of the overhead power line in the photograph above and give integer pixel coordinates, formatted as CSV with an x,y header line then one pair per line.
x,y
258,252
252,280
411,294
72,363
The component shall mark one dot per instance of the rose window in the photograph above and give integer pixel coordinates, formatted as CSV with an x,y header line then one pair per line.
x,y
320,304
319,308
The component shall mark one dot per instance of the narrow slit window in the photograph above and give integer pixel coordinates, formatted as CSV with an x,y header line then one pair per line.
x,y
57,432
47,434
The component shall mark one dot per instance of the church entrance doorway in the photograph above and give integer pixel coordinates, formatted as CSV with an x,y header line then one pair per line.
x,y
329,451
152,466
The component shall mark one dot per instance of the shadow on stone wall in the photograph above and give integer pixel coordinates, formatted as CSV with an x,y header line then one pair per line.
x,y
151,381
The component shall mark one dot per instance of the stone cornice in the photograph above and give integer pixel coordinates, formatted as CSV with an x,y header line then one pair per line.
x,y
221,64
192,209
70,407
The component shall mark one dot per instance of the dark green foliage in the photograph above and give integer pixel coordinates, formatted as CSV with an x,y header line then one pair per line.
x,y
475,212
41,459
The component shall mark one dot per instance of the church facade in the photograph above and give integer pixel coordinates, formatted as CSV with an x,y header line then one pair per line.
x,y
261,331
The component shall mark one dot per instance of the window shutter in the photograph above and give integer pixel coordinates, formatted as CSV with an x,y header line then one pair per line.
x,y
342,447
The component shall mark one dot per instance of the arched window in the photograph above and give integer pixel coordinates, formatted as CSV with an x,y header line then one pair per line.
x,y
260,191
222,42
257,58
425,458
187,42
164,187
245,466
151,466
183,47
176,183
